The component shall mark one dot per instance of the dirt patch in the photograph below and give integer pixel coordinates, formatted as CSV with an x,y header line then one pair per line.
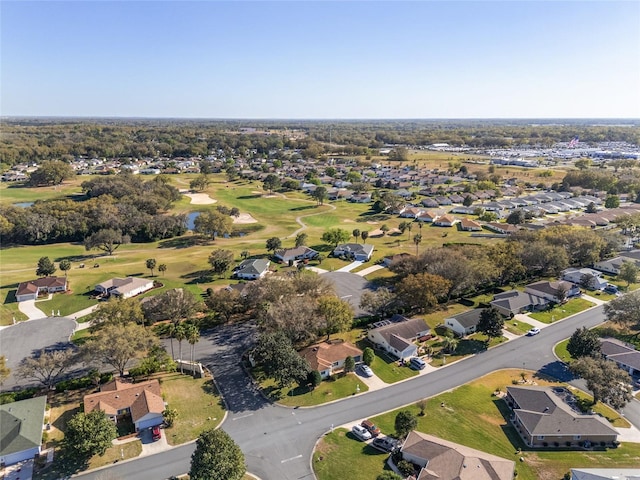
x,y
244,218
492,420
372,223
200,198
348,220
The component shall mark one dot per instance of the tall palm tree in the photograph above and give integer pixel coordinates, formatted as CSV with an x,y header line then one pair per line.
x,y
193,337
180,333
417,239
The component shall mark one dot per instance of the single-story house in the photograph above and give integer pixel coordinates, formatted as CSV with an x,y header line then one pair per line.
x,y
552,291
397,335
576,275
410,212
543,418
464,323
469,225
605,473
31,289
613,265
328,357
143,401
515,301
625,355
292,254
428,217
360,198
445,221
252,269
444,460
21,429
357,251
124,287
504,228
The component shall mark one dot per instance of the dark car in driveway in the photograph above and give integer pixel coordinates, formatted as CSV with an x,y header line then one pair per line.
x,y
385,444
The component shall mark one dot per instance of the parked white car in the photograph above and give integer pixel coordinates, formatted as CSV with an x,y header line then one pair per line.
x,y
360,432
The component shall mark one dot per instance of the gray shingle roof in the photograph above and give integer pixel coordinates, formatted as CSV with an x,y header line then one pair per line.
x,y
21,425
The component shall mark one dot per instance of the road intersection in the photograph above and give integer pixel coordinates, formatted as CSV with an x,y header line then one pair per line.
x,y
278,442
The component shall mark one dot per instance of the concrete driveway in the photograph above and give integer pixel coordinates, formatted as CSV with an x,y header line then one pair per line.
x,y
28,307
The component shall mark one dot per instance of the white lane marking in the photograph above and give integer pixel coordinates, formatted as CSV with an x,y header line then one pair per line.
x,y
243,416
289,459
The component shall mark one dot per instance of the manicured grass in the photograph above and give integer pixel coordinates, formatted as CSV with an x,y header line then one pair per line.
x,y
80,334
116,454
517,327
387,369
199,406
340,455
573,306
561,351
471,416
329,390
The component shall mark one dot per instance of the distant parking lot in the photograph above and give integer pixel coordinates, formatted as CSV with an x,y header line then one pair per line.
x,y
349,287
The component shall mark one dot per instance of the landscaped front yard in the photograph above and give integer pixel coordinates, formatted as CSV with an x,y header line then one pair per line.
x,y
199,406
573,306
470,415
340,386
388,370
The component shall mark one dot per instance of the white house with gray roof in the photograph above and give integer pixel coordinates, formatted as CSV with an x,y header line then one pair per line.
x,y
252,269
625,355
605,474
357,251
397,335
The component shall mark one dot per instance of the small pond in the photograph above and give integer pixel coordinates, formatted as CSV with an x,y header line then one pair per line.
x,y
23,204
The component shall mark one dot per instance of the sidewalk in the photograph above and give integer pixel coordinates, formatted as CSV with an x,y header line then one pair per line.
x,y
368,270
521,317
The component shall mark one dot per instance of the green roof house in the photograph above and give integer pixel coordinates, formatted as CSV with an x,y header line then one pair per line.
x,y
21,429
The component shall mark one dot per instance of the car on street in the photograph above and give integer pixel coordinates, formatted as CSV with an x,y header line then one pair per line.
x,y
533,331
371,427
385,444
366,371
361,433
156,434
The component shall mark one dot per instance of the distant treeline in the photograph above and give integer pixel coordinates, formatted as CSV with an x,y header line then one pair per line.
x,y
124,203
35,140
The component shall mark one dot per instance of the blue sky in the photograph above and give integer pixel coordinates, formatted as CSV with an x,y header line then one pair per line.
x,y
332,59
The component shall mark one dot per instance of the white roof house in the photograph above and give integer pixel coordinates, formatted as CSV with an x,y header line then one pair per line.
x,y
124,287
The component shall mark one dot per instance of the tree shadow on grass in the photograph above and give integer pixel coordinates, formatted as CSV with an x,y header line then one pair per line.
x,y
250,197
199,276
305,207
470,346
11,294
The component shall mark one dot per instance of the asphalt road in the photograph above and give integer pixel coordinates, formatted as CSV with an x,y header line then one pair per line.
x,y
25,338
278,442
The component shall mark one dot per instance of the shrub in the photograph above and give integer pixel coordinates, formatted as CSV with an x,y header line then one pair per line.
x,y
568,444
406,468
368,356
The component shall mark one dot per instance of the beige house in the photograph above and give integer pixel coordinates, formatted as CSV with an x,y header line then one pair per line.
x,y
143,401
328,357
124,287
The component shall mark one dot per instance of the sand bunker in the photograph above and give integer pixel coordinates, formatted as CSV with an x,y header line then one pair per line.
x,y
244,218
200,198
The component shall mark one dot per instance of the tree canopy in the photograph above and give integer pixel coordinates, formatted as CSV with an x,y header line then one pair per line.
x,y
625,310
89,434
583,343
608,383
217,457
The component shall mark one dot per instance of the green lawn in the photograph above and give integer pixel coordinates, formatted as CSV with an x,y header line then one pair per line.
x,y
561,351
471,416
199,406
329,390
517,327
573,306
387,369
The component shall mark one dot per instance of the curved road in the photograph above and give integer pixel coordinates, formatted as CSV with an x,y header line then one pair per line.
x,y
278,441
